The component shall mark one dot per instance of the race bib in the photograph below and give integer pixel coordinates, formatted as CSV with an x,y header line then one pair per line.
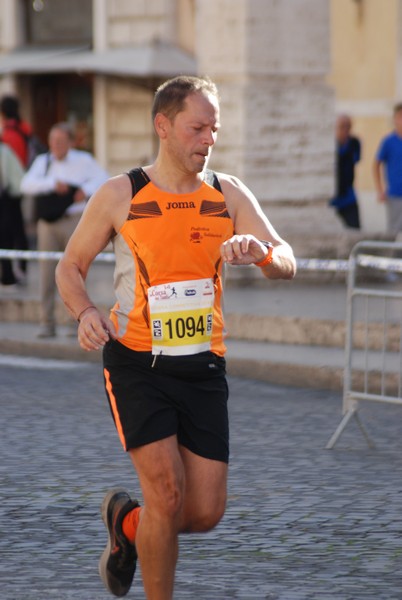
x,y
181,316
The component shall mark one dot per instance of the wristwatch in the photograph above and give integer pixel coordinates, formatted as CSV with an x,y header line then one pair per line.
x,y
268,258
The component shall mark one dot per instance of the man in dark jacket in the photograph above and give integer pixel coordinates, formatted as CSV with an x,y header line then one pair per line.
x,y
348,152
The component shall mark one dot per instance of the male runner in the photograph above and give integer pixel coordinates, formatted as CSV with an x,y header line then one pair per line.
x,y
173,224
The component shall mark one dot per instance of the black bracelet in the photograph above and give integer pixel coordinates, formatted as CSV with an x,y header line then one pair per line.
x,y
82,312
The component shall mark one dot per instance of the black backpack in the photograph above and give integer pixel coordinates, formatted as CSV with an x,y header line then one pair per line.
x,y
34,144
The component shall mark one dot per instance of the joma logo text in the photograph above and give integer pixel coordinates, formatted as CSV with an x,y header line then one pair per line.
x,y
180,205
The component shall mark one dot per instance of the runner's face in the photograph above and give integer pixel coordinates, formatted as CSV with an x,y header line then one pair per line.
x,y
193,132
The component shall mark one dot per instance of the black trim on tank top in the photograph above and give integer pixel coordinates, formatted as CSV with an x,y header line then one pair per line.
x,y
212,179
140,179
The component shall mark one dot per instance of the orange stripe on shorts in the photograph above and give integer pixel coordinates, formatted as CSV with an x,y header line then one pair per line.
x,y
115,411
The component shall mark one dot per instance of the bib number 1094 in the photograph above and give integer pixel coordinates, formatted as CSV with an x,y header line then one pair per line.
x,y
181,316
189,327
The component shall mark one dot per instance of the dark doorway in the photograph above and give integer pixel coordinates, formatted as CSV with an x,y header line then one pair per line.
x,y
63,98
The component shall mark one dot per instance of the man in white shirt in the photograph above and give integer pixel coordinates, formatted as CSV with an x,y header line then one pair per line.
x,y
62,171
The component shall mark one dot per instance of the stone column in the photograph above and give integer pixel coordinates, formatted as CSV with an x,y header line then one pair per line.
x,y
270,60
131,141
10,37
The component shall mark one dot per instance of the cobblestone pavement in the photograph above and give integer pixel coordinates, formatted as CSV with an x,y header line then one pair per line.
x,y
302,522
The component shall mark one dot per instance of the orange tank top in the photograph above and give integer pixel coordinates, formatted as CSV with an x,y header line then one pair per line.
x,y
170,246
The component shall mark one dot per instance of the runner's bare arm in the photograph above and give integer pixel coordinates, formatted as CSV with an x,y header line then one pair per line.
x,y
104,215
251,226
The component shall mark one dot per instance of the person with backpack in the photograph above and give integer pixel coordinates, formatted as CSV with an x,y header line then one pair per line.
x,y
61,181
11,173
16,133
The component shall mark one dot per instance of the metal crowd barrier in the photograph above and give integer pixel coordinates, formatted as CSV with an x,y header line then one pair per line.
x,y
306,264
373,344
38,255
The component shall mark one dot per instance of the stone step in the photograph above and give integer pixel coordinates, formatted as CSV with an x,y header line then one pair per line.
x,y
313,332
298,365
281,329
316,367
281,332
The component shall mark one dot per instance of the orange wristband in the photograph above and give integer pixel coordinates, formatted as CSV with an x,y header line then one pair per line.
x,y
268,258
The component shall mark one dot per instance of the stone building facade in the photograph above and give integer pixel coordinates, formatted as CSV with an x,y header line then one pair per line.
x,y
366,75
270,59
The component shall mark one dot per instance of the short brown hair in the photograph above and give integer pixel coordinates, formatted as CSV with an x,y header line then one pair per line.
x,y
170,96
397,108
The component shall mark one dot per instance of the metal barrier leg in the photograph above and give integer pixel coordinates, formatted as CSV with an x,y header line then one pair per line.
x,y
338,432
345,420
370,444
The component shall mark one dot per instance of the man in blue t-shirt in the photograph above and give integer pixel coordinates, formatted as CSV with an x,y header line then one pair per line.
x,y
387,171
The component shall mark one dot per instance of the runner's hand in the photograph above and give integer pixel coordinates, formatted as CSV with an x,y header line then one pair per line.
x,y
94,330
244,249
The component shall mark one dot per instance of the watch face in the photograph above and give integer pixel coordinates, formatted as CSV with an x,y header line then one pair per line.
x,y
266,244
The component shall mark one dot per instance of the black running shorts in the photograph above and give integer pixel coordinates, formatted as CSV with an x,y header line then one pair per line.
x,y
152,398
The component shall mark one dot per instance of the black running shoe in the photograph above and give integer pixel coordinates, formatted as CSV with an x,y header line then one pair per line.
x,y
119,559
